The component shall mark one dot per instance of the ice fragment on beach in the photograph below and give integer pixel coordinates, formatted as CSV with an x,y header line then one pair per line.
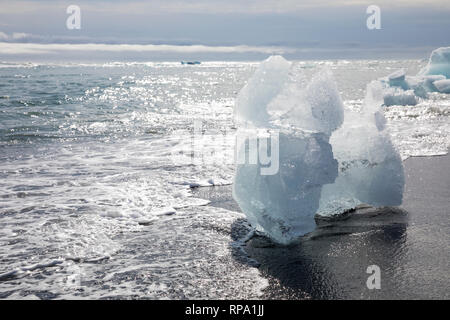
x,y
283,204
315,174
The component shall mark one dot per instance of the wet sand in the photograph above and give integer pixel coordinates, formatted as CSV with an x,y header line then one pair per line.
x,y
410,244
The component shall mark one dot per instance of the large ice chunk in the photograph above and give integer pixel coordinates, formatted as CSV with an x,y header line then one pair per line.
x,y
315,174
324,165
439,63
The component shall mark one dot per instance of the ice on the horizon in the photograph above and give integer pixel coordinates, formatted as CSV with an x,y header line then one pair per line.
x,y
326,165
401,89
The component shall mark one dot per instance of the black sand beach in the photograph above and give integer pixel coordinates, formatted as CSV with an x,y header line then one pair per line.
x,y
410,244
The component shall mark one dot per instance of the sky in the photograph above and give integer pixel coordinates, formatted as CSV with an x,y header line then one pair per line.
x,y
221,29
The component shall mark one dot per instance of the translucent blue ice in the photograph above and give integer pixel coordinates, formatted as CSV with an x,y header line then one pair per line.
x,y
439,63
325,165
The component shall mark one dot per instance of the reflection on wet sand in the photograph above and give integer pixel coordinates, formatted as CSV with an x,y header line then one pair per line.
x,y
331,262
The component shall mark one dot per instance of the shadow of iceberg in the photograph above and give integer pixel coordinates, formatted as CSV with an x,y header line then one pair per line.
x,y
331,262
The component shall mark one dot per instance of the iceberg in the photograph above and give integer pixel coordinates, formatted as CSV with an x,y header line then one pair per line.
x,y
439,63
326,165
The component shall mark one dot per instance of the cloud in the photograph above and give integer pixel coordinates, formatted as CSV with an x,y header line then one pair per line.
x,y
208,6
88,52
20,35
39,48
30,44
208,26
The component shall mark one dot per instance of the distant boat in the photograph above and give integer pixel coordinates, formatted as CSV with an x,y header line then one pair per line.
x,y
190,62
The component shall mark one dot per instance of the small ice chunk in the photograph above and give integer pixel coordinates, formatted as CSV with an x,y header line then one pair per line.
x,y
442,86
400,97
397,79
